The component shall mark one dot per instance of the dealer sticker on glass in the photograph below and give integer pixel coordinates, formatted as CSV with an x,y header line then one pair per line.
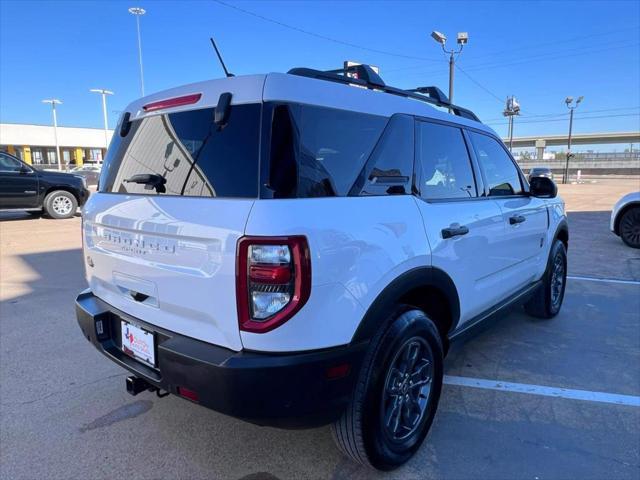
x,y
138,343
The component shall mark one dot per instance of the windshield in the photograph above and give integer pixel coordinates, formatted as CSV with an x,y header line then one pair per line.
x,y
193,155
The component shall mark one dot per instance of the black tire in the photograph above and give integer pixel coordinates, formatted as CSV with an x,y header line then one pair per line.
x,y
361,433
60,204
547,300
629,227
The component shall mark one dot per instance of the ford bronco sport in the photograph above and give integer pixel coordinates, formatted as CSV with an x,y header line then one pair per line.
x,y
299,249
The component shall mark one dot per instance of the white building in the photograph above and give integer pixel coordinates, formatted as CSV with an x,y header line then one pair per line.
x,y
35,144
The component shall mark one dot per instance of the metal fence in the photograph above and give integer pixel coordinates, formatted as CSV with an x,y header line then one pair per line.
x,y
601,163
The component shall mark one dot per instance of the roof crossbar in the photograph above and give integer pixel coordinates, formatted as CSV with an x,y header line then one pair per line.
x,y
367,78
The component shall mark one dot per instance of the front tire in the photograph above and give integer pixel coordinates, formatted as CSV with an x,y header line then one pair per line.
x,y
547,300
629,227
60,204
397,394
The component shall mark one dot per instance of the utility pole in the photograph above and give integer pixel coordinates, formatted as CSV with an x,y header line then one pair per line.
x,y
569,102
104,94
138,12
462,40
512,108
54,102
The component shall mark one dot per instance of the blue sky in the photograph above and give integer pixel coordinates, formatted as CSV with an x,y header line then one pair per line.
x,y
539,51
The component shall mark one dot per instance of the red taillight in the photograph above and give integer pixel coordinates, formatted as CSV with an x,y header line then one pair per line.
x,y
270,274
339,371
188,394
273,281
172,102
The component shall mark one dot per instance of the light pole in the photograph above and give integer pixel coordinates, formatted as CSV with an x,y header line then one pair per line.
x,y
54,102
138,12
571,107
463,39
104,94
512,109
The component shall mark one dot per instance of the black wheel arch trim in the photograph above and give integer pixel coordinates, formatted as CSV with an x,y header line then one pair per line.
x,y
387,301
563,227
623,210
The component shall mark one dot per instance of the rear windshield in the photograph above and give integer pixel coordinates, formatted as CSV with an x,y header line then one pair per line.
x,y
194,156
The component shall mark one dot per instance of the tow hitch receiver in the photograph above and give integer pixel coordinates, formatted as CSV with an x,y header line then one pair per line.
x,y
136,385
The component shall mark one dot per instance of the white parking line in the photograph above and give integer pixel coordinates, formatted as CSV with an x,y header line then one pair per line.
x,y
603,280
586,395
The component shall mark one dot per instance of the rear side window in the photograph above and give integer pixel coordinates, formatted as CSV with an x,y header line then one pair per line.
x,y
317,151
193,155
500,171
389,170
444,163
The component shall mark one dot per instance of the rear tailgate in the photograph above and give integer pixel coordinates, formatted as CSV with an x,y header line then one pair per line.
x,y
174,196
179,253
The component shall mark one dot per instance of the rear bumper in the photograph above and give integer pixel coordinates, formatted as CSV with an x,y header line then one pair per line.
x,y
281,390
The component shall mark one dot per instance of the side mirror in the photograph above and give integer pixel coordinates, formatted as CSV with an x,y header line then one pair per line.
x,y
543,187
24,170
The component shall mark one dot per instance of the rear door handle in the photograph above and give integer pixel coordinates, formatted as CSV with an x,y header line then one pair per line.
x,y
454,231
517,219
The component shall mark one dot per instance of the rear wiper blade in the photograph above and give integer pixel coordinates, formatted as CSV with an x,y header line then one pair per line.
x,y
150,181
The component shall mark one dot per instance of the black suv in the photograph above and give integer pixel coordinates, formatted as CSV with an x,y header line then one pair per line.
x,y
22,187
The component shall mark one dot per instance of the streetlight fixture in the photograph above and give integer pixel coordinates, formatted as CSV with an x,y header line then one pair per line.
x,y
104,94
462,40
54,102
138,12
512,109
569,102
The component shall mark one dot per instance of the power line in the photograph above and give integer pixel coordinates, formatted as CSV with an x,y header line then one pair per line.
x,y
576,118
555,43
545,57
550,56
531,46
564,114
501,100
321,36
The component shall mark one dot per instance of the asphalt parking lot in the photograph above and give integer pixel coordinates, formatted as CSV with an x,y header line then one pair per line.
x,y
508,408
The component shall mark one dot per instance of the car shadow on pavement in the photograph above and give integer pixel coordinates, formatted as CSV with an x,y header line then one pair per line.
x,y
10,216
68,398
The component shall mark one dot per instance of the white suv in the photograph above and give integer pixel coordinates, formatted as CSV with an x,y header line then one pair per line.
x,y
299,249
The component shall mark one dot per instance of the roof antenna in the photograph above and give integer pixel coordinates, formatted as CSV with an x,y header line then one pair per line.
x,y
224,67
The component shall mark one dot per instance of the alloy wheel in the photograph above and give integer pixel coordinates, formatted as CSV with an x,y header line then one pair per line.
x,y
557,280
406,389
62,205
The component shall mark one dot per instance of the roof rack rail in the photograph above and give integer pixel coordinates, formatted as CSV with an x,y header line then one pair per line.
x,y
365,76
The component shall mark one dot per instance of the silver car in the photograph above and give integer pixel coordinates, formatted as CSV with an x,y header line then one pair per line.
x,y
540,172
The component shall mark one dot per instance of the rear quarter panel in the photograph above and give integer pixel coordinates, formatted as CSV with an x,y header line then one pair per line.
x,y
358,245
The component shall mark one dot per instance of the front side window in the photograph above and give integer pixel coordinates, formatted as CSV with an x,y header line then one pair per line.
x,y
444,163
188,153
501,173
8,164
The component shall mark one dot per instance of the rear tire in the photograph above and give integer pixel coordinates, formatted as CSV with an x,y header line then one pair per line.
x,y
397,394
629,227
547,300
60,204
